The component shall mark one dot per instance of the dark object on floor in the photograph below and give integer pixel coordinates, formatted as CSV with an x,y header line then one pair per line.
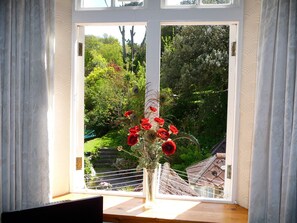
x,y
88,210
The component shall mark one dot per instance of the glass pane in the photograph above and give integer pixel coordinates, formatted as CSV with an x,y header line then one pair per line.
x,y
216,2
179,2
121,3
194,2
114,84
194,92
95,3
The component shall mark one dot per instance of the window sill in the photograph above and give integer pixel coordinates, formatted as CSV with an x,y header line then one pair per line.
x,y
120,209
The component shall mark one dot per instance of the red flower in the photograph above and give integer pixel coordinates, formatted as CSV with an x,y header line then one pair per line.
x,y
145,120
173,129
132,139
146,125
168,148
160,121
163,133
134,129
153,109
128,113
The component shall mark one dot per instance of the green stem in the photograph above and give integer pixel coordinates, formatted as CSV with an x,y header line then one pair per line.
x,y
130,153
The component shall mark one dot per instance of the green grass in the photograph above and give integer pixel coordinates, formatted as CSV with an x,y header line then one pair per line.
x,y
111,140
92,145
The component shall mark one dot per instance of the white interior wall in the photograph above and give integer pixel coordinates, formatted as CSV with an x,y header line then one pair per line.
x,y
247,97
60,158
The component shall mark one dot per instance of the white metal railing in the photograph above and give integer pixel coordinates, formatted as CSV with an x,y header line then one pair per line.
x,y
118,180
131,180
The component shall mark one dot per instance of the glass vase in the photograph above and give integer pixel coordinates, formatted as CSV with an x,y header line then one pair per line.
x,y
150,182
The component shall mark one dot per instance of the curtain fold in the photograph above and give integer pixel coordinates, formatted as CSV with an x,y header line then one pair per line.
x,y
274,161
26,73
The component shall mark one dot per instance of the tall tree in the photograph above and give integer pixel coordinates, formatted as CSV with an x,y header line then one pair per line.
x,y
195,67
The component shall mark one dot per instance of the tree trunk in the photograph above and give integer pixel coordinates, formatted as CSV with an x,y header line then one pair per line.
x,y
132,34
122,30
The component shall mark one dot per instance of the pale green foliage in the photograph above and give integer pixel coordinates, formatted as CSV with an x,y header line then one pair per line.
x,y
107,84
109,89
104,89
99,52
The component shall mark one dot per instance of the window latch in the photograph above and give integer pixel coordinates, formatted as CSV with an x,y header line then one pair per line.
x,y
229,171
80,49
233,49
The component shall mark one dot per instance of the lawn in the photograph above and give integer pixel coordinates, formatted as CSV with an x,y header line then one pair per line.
x,y
110,140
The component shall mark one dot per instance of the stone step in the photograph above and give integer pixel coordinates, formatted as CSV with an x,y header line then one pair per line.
x,y
108,150
104,155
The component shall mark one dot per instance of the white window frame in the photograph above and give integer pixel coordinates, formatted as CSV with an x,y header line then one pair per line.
x,y
154,16
199,4
112,6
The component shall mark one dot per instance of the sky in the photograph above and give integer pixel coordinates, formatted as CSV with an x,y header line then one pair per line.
x,y
115,32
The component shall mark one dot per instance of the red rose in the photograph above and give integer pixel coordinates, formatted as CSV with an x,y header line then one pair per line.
x,y
153,109
163,133
159,120
173,129
132,139
168,148
128,113
134,129
146,125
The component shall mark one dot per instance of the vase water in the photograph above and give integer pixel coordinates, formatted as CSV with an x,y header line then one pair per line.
x,y
150,182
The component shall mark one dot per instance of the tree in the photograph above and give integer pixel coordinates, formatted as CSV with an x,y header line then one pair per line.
x,y
104,89
216,1
167,35
132,45
99,52
195,67
104,82
188,2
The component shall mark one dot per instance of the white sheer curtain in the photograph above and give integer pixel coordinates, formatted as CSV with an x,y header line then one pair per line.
x,y
273,194
26,69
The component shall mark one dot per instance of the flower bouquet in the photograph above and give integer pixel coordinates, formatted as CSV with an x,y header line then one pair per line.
x,y
150,139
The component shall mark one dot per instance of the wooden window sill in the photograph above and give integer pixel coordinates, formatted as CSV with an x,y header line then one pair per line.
x,y
119,209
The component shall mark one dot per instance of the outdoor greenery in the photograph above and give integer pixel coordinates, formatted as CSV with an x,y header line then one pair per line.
x,y
195,68
193,95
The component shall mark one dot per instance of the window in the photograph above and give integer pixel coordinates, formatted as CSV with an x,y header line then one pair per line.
x,y
114,80
154,17
103,4
196,3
